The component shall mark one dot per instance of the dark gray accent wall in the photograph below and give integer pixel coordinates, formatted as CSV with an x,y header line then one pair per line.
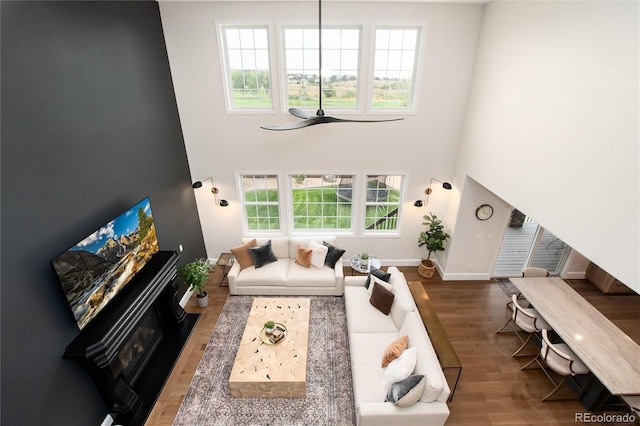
x,y
89,127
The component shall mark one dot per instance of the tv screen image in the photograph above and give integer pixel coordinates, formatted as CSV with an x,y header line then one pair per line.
x,y
96,269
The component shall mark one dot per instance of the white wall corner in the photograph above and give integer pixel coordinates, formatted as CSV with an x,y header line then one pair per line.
x,y
185,298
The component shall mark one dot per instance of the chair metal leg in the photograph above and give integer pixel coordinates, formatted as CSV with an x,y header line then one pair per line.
x,y
508,323
536,359
515,354
564,378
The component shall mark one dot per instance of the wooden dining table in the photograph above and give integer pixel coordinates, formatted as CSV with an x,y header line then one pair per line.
x,y
611,355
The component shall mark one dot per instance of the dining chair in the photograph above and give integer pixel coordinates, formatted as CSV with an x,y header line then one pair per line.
x,y
527,320
561,359
534,271
529,271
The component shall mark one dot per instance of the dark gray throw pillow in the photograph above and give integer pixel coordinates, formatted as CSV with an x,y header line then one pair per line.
x,y
333,255
406,392
262,255
384,276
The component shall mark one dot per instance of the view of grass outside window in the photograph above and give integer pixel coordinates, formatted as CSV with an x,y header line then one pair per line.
x,y
394,68
261,202
321,202
382,202
340,57
248,67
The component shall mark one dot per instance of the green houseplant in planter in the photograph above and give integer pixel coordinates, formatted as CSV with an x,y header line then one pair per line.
x,y
196,274
433,239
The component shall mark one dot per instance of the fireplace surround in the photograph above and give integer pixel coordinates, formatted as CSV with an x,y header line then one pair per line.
x,y
130,347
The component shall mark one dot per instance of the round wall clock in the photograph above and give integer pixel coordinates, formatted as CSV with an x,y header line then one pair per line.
x,y
484,212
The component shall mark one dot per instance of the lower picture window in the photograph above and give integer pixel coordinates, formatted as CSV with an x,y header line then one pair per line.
x,y
321,201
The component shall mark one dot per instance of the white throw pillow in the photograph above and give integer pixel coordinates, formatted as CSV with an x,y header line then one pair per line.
x,y
318,254
400,368
384,284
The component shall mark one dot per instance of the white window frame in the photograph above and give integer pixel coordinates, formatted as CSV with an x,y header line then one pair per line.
x,y
363,198
274,85
288,188
362,72
417,69
241,196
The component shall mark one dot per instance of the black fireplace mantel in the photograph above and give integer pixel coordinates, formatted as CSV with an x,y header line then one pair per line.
x,y
98,344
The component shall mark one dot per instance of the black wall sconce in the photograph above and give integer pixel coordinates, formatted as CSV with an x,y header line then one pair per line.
x,y
214,191
428,191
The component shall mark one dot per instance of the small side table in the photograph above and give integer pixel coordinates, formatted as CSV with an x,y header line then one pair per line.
x,y
357,267
225,261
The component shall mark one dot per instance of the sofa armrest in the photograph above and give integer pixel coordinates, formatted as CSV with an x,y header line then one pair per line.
x,y
232,278
358,280
385,413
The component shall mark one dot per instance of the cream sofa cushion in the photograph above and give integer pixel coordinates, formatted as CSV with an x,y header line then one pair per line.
x,y
294,242
403,302
427,365
270,274
365,365
362,317
299,276
279,245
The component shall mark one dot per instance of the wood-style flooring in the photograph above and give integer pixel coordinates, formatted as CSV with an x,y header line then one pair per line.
x,y
492,390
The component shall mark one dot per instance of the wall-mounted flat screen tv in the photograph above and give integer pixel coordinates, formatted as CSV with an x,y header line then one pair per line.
x,y
96,269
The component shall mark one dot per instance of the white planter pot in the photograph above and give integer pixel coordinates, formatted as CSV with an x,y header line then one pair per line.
x,y
204,300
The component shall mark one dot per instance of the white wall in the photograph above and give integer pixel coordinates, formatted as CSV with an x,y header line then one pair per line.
x,y
552,127
218,144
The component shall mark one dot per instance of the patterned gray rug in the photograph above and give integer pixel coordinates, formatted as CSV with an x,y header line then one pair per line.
x,y
507,286
329,400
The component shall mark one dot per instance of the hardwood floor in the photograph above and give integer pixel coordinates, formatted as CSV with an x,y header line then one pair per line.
x,y
492,390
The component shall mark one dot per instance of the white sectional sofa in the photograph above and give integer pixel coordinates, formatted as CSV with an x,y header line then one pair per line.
x,y
370,333
285,276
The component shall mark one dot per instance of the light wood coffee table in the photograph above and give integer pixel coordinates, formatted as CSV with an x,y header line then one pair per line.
x,y
266,370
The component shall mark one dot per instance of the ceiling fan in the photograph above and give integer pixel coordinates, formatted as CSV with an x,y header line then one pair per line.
x,y
319,117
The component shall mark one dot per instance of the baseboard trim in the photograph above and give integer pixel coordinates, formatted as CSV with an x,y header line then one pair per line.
x,y
472,276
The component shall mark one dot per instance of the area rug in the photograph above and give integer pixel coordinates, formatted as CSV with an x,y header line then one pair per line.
x,y
507,286
329,400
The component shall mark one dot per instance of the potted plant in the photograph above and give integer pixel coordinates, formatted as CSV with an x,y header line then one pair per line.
x,y
364,260
269,326
433,239
196,274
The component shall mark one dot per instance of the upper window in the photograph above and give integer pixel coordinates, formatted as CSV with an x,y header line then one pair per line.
x,y
321,202
340,57
261,202
394,68
382,204
247,67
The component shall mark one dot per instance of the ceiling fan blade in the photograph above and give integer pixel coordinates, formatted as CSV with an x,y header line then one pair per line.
x,y
328,119
293,126
299,113
319,117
